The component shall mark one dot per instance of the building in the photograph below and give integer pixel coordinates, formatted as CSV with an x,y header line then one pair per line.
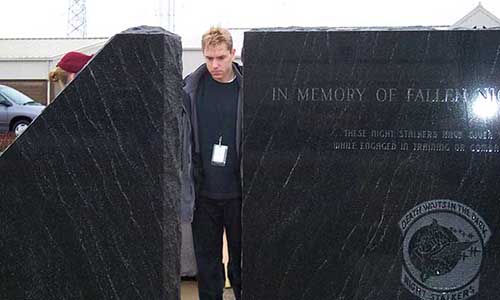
x,y
478,18
26,63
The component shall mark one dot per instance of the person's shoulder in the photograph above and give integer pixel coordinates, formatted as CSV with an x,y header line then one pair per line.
x,y
238,70
238,67
192,79
196,74
186,103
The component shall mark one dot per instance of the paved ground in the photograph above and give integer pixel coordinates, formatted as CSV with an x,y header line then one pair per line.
x,y
189,291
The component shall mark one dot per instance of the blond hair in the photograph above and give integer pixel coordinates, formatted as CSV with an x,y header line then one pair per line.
x,y
59,74
216,36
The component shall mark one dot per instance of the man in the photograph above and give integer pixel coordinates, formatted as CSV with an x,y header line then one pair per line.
x,y
214,103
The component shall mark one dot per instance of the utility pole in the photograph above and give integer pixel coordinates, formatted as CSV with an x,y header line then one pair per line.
x,y
171,15
77,18
166,14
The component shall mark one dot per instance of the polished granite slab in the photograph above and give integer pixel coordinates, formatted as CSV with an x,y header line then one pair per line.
x,y
89,193
371,164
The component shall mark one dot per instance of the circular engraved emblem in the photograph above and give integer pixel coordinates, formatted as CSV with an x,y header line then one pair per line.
x,y
443,247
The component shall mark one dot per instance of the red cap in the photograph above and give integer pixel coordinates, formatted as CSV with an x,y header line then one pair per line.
x,y
73,62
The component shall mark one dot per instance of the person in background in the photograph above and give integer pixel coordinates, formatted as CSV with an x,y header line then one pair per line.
x,y
67,68
214,96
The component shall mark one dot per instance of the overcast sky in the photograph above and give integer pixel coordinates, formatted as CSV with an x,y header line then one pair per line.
x,y
39,18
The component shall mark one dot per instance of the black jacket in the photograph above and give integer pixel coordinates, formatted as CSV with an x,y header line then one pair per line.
x,y
191,87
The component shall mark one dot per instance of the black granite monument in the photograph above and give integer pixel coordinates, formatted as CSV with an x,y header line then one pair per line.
x,y
371,164
89,192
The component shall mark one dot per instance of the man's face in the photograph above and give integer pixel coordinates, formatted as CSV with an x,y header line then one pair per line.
x,y
219,61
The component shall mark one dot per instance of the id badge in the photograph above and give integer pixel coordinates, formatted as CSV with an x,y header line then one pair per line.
x,y
219,154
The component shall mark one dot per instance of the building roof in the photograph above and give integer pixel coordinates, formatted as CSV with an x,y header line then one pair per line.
x,y
45,48
478,18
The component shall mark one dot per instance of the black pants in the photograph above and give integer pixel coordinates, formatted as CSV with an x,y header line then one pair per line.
x,y
211,217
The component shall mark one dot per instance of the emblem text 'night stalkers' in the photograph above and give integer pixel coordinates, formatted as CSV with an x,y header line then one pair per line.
x,y
443,247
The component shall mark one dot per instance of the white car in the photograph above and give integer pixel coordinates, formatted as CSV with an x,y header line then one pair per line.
x,y
17,110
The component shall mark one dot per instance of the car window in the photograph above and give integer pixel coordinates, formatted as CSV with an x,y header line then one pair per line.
x,y
2,97
15,96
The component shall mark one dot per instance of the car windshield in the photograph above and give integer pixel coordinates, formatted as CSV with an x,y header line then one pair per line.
x,y
15,96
